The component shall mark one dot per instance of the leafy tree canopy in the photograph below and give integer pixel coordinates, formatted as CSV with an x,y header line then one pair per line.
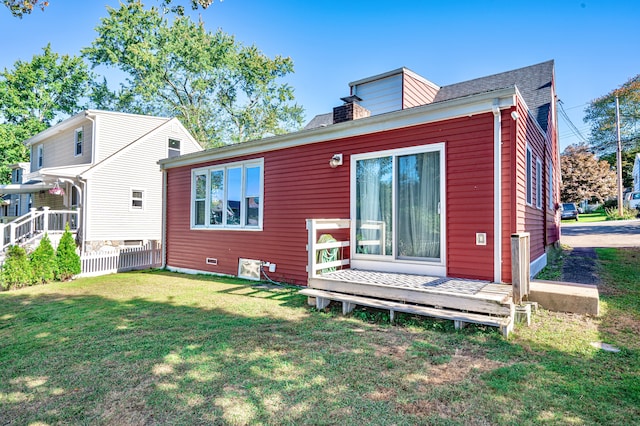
x,y
584,177
19,8
628,158
39,90
601,116
222,91
32,95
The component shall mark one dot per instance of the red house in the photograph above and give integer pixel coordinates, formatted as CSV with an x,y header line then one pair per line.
x,y
431,180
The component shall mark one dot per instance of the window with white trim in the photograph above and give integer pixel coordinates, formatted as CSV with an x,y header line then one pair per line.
x,y
228,196
551,201
40,155
78,139
529,177
137,199
538,183
174,148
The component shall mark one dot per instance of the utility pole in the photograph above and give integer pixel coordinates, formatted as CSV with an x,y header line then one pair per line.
x,y
619,158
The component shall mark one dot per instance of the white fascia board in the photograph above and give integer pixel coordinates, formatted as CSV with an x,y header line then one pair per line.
x,y
460,107
70,122
86,174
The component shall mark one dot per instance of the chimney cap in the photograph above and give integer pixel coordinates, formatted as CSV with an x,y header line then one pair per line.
x,y
351,99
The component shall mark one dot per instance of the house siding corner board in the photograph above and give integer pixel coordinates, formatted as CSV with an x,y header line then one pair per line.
x,y
299,184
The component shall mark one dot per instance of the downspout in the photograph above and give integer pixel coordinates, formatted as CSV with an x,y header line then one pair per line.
x,y
497,192
163,241
82,180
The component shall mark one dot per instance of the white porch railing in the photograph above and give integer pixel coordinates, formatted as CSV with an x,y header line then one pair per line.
x,y
27,229
314,248
146,256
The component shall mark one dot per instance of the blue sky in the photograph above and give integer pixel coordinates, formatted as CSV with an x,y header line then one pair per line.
x,y
594,43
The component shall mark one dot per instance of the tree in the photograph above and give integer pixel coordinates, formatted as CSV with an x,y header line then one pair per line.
x,y
67,260
43,262
32,95
584,177
628,158
222,91
601,113
19,8
16,271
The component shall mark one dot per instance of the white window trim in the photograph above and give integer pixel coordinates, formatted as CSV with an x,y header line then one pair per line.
x,y
131,198
75,142
39,156
392,263
538,184
528,165
169,149
224,166
552,203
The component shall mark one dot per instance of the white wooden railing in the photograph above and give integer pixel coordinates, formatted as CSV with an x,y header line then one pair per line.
x,y
313,247
27,229
125,259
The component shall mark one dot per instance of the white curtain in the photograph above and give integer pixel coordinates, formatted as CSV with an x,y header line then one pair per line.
x,y
373,206
418,199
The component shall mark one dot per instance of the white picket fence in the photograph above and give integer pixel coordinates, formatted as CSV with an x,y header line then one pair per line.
x,y
122,260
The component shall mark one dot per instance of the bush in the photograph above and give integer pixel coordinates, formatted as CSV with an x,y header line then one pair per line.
x,y
67,260
43,262
614,214
16,271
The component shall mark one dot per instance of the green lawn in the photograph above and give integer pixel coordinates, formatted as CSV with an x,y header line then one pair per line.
x,y
164,348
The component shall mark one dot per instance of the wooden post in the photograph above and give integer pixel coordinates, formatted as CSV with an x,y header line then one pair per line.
x,y
520,266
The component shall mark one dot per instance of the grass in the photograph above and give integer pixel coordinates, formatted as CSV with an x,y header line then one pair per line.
x,y
164,348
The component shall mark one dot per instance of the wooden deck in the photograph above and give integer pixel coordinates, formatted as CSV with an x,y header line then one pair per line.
x,y
461,300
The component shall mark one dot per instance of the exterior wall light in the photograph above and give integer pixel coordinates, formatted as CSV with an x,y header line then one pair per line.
x,y
335,161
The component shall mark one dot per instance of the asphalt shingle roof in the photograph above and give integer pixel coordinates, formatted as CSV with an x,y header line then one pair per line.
x,y
534,83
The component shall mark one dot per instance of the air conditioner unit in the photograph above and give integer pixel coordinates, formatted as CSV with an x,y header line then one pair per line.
x,y
249,269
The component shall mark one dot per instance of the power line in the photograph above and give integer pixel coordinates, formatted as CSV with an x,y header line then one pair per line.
x,y
572,126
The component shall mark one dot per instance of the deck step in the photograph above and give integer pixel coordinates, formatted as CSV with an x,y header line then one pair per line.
x,y
505,323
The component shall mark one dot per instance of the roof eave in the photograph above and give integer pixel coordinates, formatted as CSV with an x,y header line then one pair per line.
x,y
464,106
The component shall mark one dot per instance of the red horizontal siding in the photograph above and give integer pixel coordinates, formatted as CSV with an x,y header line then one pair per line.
x,y
299,185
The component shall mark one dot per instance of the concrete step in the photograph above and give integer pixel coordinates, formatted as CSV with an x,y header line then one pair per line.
x,y
565,297
460,318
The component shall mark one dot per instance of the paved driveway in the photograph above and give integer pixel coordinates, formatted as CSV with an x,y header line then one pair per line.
x,y
619,233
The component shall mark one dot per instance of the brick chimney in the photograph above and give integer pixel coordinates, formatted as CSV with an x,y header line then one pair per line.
x,y
350,110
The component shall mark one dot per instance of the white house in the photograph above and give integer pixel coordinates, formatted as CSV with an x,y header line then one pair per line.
x,y
104,164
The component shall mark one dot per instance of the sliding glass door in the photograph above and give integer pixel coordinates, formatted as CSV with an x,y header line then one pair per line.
x,y
397,202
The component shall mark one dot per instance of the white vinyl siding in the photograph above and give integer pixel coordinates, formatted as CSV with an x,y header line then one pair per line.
x,y
380,96
60,149
115,131
110,213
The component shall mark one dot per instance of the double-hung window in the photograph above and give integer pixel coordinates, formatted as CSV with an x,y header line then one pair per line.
x,y
78,141
173,147
228,196
529,177
137,199
40,156
538,183
551,200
